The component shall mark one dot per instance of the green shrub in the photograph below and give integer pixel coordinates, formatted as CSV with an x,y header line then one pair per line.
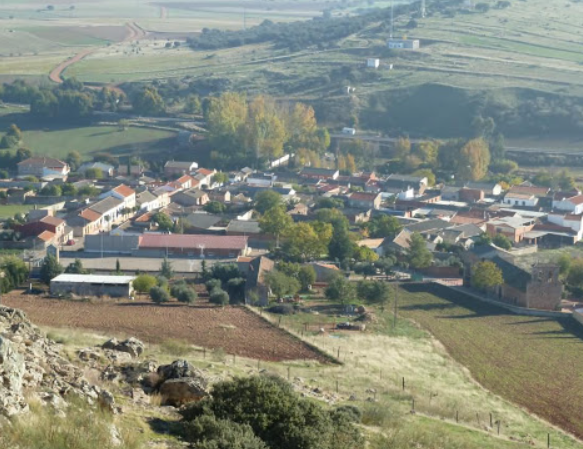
x,y
159,295
219,296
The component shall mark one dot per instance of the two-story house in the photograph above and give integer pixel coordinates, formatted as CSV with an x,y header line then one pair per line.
x,y
43,167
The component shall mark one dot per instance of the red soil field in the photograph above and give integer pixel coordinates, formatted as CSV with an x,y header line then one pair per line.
x,y
235,330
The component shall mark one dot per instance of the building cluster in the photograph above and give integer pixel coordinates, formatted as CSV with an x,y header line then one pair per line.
x,y
123,216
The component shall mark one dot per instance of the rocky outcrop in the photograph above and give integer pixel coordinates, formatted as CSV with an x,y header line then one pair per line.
x,y
132,346
31,362
183,390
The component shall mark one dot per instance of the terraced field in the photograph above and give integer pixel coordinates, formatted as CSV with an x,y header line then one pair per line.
x,y
534,362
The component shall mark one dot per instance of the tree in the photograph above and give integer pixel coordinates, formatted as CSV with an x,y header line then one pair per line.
x,y
50,269
426,173
117,267
192,104
144,282
159,294
74,160
215,207
147,101
185,294
94,173
277,415
306,276
402,147
486,274
575,275
51,190
474,159
68,189
275,221
382,226
418,255
566,181
166,269
341,246
76,268
340,289
12,137
267,199
15,273
208,432
363,254
564,263
306,241
236,290
374,291
427,151
220,178
219,297
265,133
501,241
163,221
280,284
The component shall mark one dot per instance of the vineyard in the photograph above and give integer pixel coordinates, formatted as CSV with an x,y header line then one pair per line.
x,y
534,362
234,330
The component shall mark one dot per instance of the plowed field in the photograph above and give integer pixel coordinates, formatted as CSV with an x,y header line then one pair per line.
x,y
535,362
232,329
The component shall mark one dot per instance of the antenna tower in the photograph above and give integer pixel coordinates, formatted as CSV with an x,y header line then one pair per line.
x,y
422,9
392,22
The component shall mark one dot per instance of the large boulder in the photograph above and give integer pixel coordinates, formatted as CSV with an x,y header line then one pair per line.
x,y
132,346
178,369
177,392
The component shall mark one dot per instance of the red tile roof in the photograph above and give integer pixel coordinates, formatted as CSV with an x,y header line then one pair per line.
x,y
362,196
576,199
44,162
90,215
124,190
184,179
529,190
205,171
192,241
46,236
53,221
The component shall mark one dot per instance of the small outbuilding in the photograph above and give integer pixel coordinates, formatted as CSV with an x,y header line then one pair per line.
x,y
93,285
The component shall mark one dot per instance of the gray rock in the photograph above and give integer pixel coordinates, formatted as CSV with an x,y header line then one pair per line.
x,y
132,346
181,391
12,369
177,369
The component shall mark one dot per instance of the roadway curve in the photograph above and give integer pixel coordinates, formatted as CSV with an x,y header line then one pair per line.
x,y
56,75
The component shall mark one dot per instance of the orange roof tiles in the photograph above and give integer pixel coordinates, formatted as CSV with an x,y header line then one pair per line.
x,y
124,190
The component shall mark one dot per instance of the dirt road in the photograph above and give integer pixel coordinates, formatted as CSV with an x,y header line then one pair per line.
x,y
134,33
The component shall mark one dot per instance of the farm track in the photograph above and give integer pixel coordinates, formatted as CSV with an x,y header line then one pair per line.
x,y
56,75
235,330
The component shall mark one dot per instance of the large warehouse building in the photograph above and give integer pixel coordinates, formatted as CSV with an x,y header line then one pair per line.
x,y
192,245
92,285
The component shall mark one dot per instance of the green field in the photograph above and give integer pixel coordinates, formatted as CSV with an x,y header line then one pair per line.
x,y
534,362
8,211
99,139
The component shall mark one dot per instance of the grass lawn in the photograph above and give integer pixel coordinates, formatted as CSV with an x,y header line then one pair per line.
x,y
534,362
96,139
8,211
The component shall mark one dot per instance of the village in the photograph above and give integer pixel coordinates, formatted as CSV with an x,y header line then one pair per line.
x,y
131,219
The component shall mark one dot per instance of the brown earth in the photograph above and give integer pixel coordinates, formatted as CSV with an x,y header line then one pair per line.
x,y
235,330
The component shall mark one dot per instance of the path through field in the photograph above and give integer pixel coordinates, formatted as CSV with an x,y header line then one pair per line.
x,y
134,33
235,330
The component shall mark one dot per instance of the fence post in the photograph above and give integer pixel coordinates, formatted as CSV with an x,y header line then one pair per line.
x,y
336,385
457,416
403,384
491,423
498,422
288,368
413,404
204,353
